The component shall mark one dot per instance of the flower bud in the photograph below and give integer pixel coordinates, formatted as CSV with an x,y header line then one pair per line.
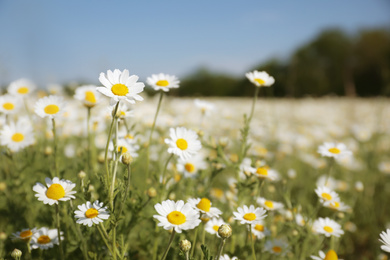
x,y
127,158
152,192
48,150
225,231
81,175
3,186
185,245
16,254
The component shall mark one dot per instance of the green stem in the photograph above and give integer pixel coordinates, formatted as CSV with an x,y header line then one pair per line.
x,y
89,140
194,242
104,237
163,175
127,189
55,146
108,142
111,197
169,245
253,103
252,243
59,233
220,248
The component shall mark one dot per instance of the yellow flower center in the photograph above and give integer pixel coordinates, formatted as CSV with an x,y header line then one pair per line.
x,y
335,204
215,227
249,216
23,90
262,171
204,204
55,192
181,144
269,204
51,109
90,97
334,150
129,136
326,196
217,192
91,213
277,249
176,218
44,239
162,83
120,89
122,148
122,113
259,227
260,81
331,255
8,106
328,229
189,167
17,137
25,234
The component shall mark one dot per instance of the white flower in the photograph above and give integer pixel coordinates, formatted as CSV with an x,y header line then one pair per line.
x,y
56,190
327,227
335,150
269,204
337,205
249,215
89,214
264,172
176,215
21,87
213,225
162,82
204,206
204,106
24,235
330,255
246,169
326,194
121,86
226,257
17,136
276,246
183,142
88,95
124,146
51,107
45,238
259,230
385,239
191,166
260,78
9,104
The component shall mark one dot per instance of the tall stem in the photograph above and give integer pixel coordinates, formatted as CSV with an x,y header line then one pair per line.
x,y
252,243
220,248
194,242
163,175
108,141
59,232
169,245
89,139
111,197
55,147
253,104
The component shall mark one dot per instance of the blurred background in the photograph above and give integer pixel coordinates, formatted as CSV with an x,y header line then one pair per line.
x,y
312,48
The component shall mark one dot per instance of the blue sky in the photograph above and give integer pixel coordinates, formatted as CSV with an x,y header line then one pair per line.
x,y
53,41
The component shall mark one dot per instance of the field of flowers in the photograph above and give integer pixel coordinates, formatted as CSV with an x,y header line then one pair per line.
x,y
109,173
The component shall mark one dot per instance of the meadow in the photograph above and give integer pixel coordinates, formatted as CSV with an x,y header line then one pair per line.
x,y
89,176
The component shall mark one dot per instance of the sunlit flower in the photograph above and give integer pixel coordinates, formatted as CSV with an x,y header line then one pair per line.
x,y
162,82
204,206
213,225
249,215
246,168
45,238
123,111
121,86
21,87
276,247
51,106
183,142
265,172
259,230
337,205
176,215
17,136
335,150
24,235
269,204
9,104
326,194
385,239
328,227
88,95
300,220
260,78
191,166
330,255
89,214
56,190
124,146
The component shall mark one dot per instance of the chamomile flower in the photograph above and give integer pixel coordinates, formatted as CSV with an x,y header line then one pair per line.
x,y
265,172
335,150
51,107
385,239
162,82
124,146
269,204
17,136
190,167
300,220
213,225
328,227
9,104
204,206
259,230
119,85
276,247
246,168
23,235
123,111
249,215
337,205
88,95
56,190
89,214
227,257
326,194
21,87
45,238
183,142
204,106
330,255
260,78
176,215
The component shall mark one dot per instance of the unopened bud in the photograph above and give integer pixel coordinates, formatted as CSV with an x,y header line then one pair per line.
x,y
152,192
3,236
3,186
81,175
185,245
127,158
48,150
16,254
225,231
359,186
